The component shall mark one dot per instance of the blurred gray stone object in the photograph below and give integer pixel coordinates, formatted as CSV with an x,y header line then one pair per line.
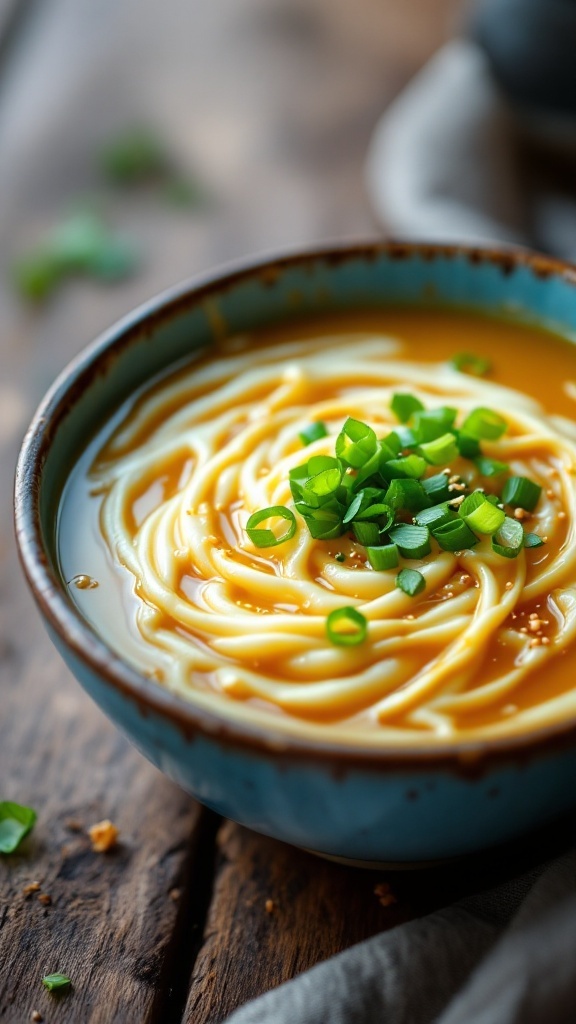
x,y
481,145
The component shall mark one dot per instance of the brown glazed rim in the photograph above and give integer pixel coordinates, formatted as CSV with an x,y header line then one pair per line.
x,y
66,621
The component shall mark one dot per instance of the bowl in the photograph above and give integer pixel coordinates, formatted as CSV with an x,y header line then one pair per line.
x,y
359,803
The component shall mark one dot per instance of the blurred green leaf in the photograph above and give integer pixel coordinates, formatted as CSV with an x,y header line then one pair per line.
x,y
134,156
16,822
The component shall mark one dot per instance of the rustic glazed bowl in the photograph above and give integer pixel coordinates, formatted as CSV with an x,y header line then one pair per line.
x,y
355,802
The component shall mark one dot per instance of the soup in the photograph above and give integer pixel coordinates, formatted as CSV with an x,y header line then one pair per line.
x,y
350,525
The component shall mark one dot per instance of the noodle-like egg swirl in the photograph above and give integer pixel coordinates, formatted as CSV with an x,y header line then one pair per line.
x,y
200,453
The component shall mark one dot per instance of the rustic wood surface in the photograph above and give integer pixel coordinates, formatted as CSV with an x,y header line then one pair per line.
x,y
270,103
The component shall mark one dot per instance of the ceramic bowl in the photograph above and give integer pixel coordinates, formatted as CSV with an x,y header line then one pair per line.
x,y
359,803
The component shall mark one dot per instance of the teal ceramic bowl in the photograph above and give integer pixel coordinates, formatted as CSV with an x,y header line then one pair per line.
x,y
356,802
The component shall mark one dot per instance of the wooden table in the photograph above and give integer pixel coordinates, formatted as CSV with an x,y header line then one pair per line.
x,y
271,103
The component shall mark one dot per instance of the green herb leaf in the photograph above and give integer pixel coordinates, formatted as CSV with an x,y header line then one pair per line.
x,y
53,982
521,492
484,425
404,405
454,536
313,432
412,541
383,556
356,443
16,822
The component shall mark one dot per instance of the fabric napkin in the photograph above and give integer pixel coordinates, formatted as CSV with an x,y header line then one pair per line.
x,y
506,956
455,159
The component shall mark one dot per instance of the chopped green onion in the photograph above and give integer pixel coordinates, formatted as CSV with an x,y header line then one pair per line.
x,y
267,538
53,982
469,447
383,513
371,468
323,529
346,627
409,465
476,366
490,467
367,534
441,450
436,488
435,516
410,581
454,536
313,432
412,541
521,492
532,540
432,423
484,425
355,443
340,556
362,500
390,445
480,514
405,436
407,494
383,556
493,499
509,540
16,822
403,406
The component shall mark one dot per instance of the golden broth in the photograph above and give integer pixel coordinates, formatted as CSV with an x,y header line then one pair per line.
x,y
156,508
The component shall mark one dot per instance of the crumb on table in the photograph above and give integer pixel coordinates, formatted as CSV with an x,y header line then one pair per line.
x,y
103,836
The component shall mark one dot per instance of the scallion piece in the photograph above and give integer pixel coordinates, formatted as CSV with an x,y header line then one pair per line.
x,y
313,432
509,540
382,513
267,538
383,556
532,540
411,541
410,465
406,438
435,516
436,488
410,581
340,556
355,443
521,492
367,534
490,467
466,362
469,447
407,494
440,451
484,425
432,423
404,405
480,514
325,475
346,627
324,529
53,982
16,822
454,536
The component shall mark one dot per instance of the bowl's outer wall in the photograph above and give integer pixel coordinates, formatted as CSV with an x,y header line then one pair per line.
x,y
391,814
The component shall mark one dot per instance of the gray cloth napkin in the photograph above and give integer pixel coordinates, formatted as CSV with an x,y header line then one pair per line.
x,y
507,956
453,159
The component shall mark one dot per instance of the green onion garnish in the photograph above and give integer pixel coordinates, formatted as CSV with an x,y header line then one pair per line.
x,y
469,447
410,581
435,516
410,465
346,627
403,406
436,488
340,556
509,540
490,467
480,514
355,443
484,425
532,540
412,541
432,423
267,538
16,822
55,981
441,450
407,494
313,432
466,362
521,492
454,536
384,556
325,475
366,533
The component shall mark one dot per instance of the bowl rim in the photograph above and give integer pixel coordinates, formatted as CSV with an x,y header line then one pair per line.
x,y
466,756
